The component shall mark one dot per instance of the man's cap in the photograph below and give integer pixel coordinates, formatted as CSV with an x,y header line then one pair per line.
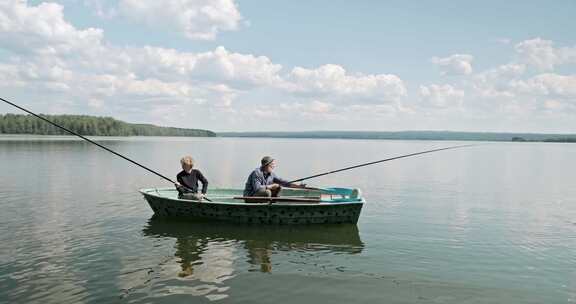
x,y
266,160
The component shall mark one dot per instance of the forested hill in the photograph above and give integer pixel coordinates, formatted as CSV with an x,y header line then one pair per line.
x,y
88,125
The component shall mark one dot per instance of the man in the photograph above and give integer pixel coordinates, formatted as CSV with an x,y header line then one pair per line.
x,y
188,178
263,182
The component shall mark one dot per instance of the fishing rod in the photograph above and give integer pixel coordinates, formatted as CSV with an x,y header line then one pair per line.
x,y
376,162
89,140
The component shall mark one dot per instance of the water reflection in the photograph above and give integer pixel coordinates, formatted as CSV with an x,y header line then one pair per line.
x,y
194,239
211,253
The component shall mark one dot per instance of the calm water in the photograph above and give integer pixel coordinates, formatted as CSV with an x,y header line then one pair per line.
x,y
495,223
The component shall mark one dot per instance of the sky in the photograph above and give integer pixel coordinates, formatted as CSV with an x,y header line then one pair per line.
x,y
240,65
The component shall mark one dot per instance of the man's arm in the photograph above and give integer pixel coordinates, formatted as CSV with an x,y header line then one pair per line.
x,y
281,181
286,183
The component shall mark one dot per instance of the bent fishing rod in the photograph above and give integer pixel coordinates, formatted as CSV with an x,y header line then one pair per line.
x,y
89,140
376,162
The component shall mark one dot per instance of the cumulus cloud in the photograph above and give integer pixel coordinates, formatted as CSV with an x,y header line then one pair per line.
x,y
79,72
506,88
543,55
457,64
41,29
76,70
80,67
558,86
512,89
220,65
441,96
495,82
549,93
332,81
195,19
243,69
508,71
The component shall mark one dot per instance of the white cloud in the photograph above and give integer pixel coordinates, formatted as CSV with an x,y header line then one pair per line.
x,y
76,70
235,69
495,82
42,30
441,96
332,81
543,55
506,90
548,84
457,64
79,67
508,70
195,19
10,76
539,53
239,68
76,67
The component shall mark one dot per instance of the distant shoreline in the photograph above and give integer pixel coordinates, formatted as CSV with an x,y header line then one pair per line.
x,y
19,124
411,135
430,135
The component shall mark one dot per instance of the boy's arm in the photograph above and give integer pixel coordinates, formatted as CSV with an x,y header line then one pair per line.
x,y
204,182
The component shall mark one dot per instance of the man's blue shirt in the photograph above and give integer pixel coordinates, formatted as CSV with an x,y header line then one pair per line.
x,y
258,180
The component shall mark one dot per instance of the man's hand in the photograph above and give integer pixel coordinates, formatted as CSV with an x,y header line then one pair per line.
x,y
273,186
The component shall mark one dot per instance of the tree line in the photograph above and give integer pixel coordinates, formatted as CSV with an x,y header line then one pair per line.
x,y
88,125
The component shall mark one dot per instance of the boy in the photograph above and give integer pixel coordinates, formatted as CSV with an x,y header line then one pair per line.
x,y
188,178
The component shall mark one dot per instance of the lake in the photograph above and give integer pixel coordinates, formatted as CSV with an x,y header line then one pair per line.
x,y
493,223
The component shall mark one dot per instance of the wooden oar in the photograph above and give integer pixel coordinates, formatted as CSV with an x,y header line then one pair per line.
x,y
277,199
305,188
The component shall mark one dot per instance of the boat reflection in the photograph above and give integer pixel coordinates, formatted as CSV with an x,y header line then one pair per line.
x,y
198,242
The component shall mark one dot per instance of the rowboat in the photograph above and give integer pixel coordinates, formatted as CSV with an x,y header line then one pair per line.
x,y
294,206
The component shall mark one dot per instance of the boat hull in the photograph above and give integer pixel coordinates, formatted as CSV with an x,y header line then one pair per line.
x,y
256,213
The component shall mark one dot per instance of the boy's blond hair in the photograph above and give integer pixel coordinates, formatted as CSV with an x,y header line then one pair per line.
x,y
187,160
